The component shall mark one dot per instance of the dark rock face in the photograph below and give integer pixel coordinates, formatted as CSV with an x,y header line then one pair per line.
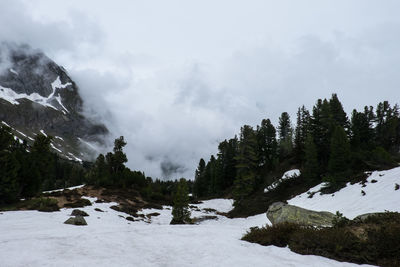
x,y
36,94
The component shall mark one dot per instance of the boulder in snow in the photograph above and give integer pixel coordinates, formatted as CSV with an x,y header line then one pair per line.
x,y
280,212
77,212
77,220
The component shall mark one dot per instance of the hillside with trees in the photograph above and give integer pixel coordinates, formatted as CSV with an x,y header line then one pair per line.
x,y
325,144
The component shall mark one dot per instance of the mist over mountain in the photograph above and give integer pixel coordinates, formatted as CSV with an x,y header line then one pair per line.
x,y
38,96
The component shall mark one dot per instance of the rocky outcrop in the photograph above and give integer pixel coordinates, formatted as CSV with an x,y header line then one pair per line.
x,y
280,212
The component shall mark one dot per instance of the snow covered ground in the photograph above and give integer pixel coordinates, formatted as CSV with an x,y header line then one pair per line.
x,y
32,238
379,196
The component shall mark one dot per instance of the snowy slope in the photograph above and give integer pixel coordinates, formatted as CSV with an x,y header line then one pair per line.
x,y
379,196
31,238
12,97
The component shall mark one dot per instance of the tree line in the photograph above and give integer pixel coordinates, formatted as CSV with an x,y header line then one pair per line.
x,y
28,170
325,144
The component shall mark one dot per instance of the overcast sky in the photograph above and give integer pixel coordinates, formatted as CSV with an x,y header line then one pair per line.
x,y
177,77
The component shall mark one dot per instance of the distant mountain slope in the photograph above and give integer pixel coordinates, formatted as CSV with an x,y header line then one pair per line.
x,y
37,95
380,195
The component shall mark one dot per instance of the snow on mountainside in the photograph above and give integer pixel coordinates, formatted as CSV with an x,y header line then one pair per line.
x,y
37,96
380,195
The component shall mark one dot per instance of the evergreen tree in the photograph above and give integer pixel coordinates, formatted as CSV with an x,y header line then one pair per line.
x,y
247,163
320,128
310,167
200,186
339,160
337,113
266,145
361,131
43,164
180,210
301,132
226,163
285,135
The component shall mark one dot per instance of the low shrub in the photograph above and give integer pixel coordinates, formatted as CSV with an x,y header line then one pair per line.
x,y
44,204
373,240
278,235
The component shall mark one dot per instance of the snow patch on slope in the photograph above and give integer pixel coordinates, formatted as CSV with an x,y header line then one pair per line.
x,y
379,196
286,176
11,96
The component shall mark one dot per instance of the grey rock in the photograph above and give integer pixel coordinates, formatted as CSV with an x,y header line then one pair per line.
x,y
280,212
77,220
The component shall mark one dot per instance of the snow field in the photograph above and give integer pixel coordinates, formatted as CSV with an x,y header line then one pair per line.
x,y
379,196
32,238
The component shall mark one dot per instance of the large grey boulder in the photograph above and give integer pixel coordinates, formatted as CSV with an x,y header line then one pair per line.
x,y
280,212
77,220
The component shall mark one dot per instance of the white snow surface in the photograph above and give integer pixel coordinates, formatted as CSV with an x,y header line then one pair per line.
x,y
32,238
11,96
379,197
290,174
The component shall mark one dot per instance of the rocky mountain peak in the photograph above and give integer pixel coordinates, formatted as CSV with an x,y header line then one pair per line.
x,y
38,96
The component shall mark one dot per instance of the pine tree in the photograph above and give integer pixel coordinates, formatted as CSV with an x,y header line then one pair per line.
x,y
180,210
310,167
267,145
361,131
247,163
301,132
339,159
285,136
337,112
199,181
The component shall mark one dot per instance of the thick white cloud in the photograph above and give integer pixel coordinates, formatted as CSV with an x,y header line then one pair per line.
x,y
177,77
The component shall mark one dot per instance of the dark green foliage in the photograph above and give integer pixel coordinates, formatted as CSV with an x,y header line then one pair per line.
x,y
362,133
180,210
276,235
247,162
376,240
200,183
339,159
267,146
311,166
301,132
24,174
44,204
285,136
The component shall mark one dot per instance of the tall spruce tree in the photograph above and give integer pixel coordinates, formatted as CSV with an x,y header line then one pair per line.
x,y
199,182
310,166
267,145
247,163
339,159
301,132
285,132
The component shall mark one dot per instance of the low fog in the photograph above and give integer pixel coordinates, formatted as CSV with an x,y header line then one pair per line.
x,y
176,79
